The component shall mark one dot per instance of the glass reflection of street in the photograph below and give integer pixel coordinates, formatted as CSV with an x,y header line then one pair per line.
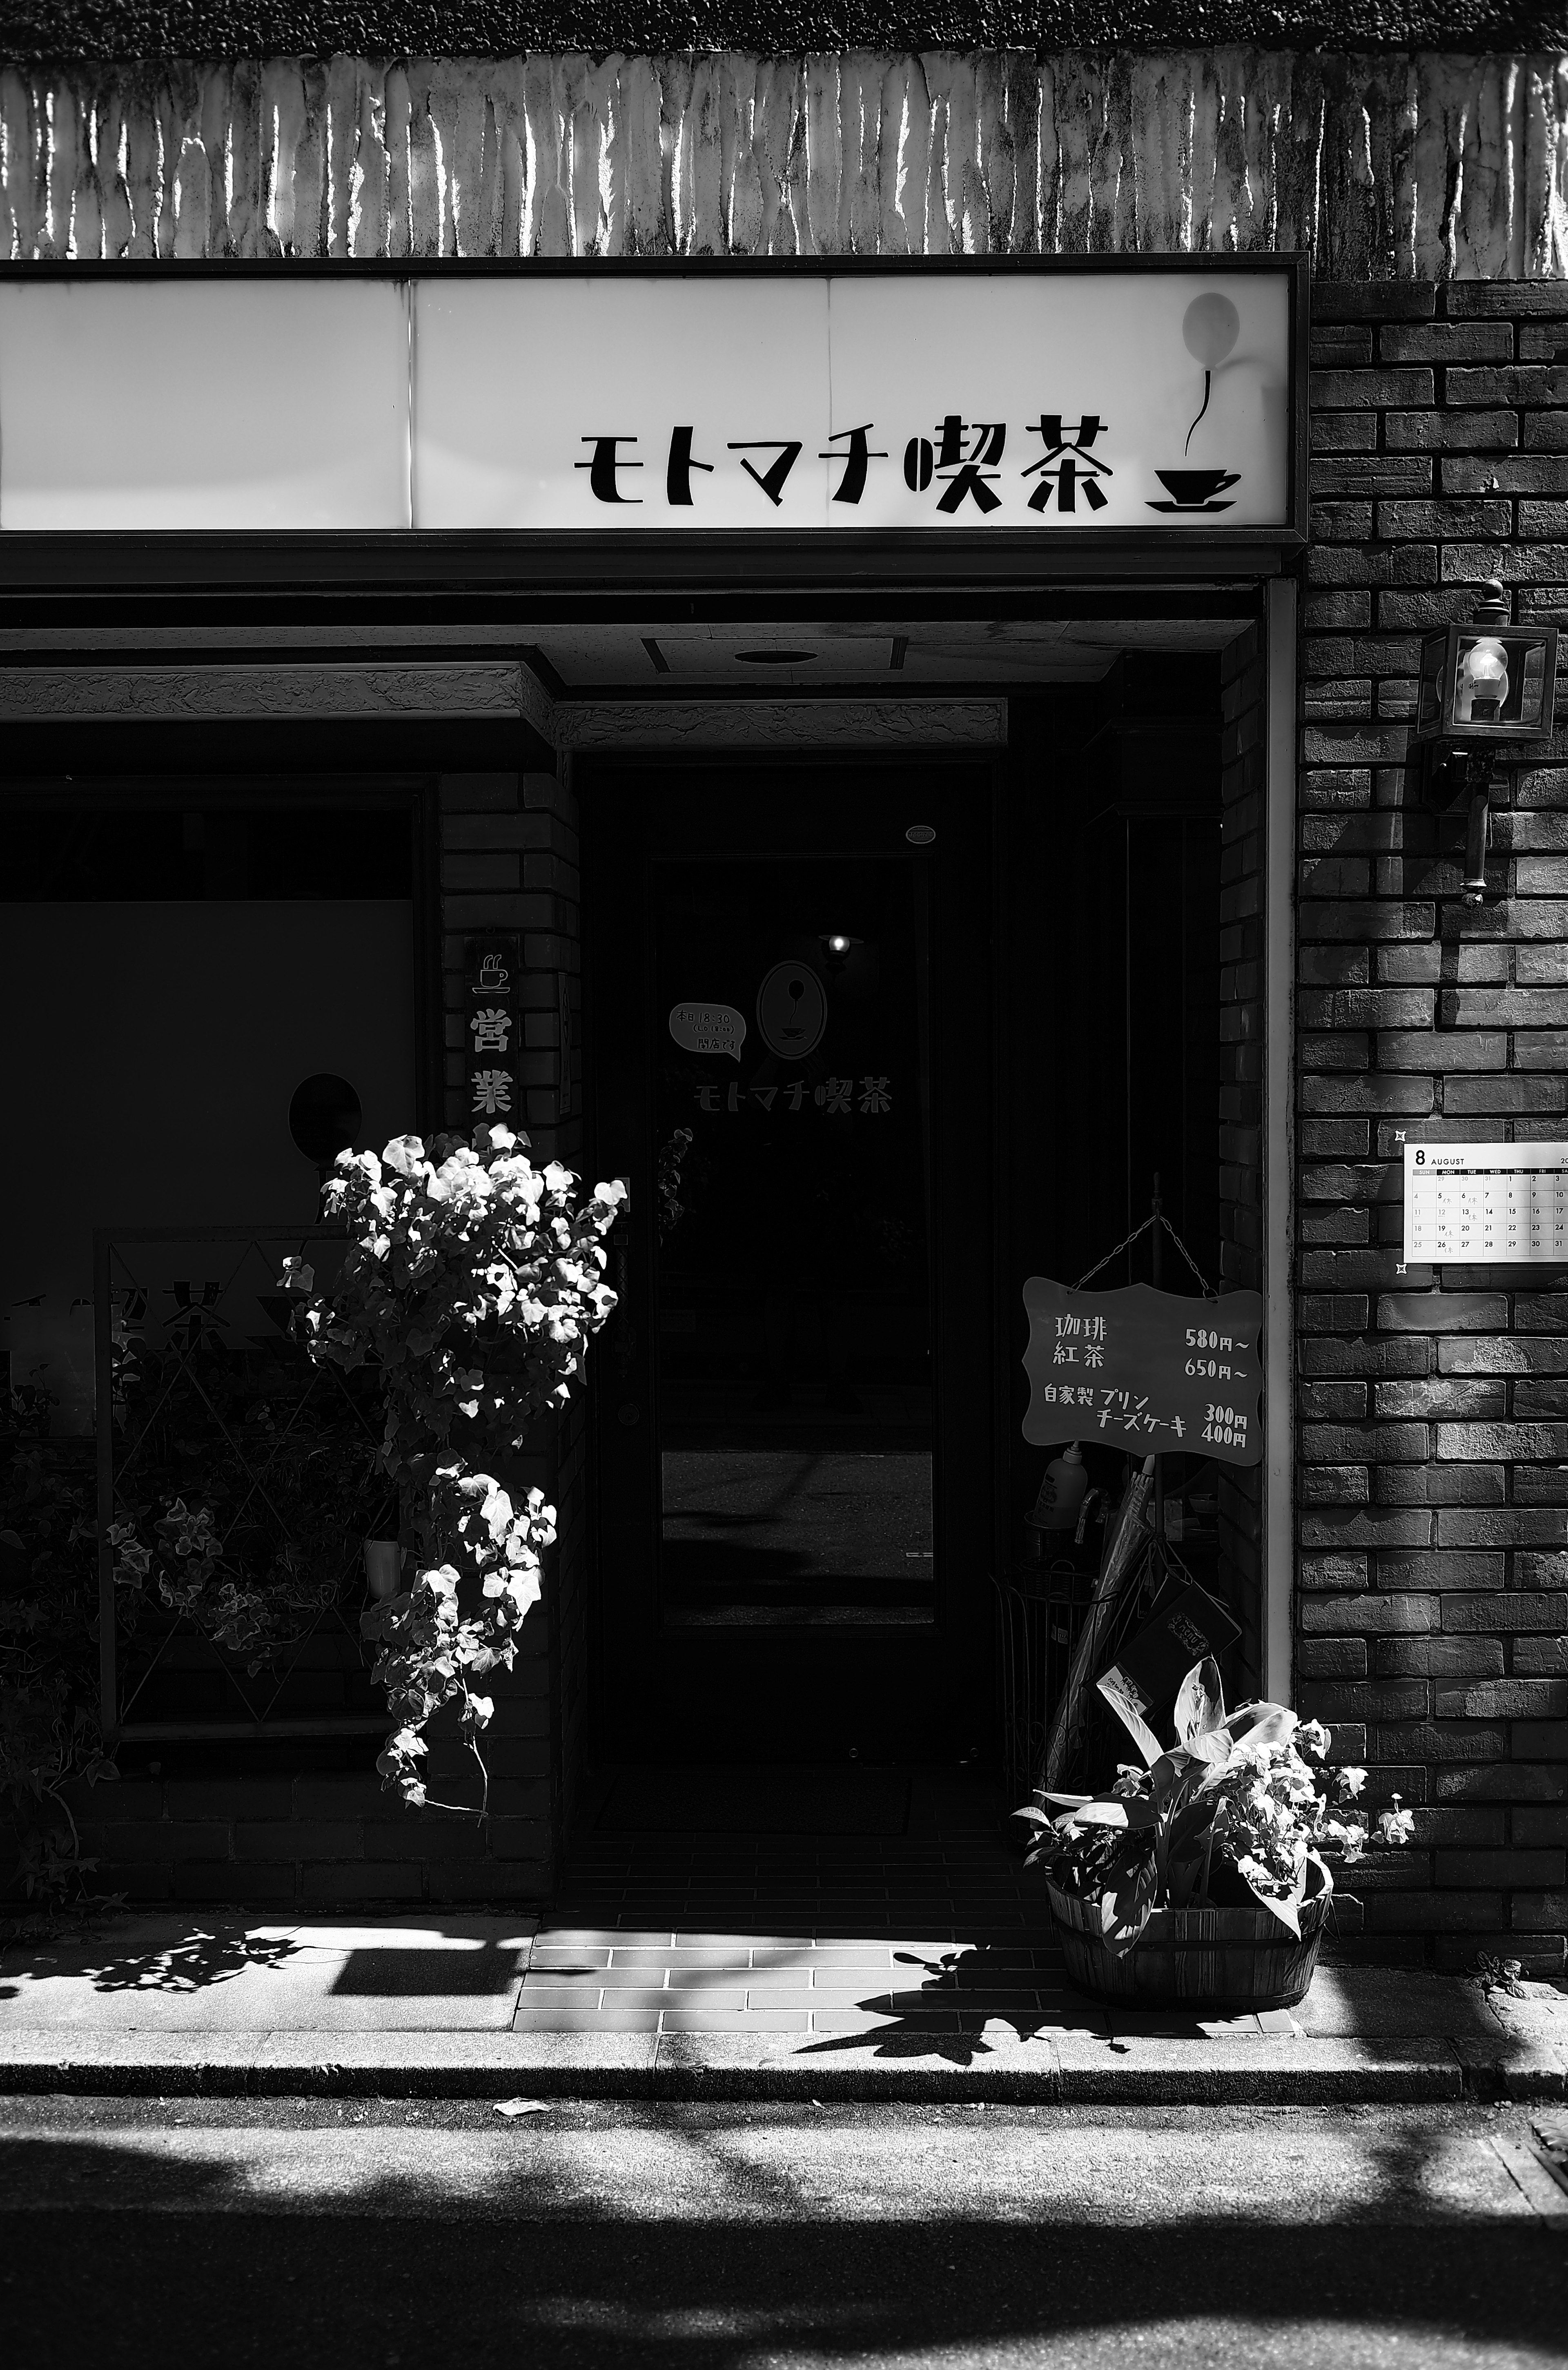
x,y
771,1535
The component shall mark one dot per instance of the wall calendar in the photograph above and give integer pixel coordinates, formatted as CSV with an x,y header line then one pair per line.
x,y
1479,1204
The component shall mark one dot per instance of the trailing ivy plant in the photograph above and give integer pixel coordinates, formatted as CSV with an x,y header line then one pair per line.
x,y
473,1282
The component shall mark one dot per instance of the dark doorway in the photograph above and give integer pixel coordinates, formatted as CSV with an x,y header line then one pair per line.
x,y
790,985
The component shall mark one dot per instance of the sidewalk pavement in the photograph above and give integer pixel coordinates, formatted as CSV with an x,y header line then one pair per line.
x,y
430,2004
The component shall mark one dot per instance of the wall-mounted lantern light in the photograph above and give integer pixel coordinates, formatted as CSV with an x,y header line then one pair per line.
x,y
1484,686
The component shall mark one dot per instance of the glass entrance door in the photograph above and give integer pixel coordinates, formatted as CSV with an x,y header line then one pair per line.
x,y
793,1285
788,997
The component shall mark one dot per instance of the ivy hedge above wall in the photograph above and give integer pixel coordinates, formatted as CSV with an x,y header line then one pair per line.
x,y
33,31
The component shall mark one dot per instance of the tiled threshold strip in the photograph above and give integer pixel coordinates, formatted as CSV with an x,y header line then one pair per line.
x,y
645,1979
939,1933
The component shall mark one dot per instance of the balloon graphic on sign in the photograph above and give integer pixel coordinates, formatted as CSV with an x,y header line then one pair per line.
x,y
709,1028
1210,327
792,1011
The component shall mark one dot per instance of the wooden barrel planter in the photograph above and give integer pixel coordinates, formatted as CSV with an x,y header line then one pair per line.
x,y
1233,1959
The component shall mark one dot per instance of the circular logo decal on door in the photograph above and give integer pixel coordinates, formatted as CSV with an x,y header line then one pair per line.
x,y
792,1011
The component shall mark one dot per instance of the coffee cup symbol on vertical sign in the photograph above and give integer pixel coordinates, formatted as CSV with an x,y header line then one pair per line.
x,y
709,1028
1210,327
792,1011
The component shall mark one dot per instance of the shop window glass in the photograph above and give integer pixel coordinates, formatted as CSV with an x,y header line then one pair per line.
x,y
168,977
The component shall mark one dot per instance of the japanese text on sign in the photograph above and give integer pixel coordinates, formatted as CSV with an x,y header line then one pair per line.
x,y
957,462
492,1028
834,1097
1144,1370
709,1028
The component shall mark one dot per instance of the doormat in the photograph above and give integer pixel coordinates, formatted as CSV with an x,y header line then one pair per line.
x,y
756,1802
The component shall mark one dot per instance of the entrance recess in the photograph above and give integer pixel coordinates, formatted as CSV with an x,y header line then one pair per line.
x,y
789,984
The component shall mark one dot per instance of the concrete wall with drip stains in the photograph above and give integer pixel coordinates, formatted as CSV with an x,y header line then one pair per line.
x,y
1421,165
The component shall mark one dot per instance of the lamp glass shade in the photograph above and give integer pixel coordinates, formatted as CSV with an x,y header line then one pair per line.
x,y
1481,682
1429,689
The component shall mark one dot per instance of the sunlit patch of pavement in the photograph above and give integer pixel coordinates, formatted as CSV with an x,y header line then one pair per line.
x,y
1045,2167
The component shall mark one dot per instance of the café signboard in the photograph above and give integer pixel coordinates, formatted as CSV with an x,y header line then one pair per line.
x,y
1148,1371
963,401
1044,401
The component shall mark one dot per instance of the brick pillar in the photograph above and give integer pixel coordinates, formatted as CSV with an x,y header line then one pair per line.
x,y
509,862
1434,1425
1243,680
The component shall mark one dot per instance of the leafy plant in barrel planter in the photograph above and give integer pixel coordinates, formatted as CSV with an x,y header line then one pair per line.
x,y
1202,1878
473,1281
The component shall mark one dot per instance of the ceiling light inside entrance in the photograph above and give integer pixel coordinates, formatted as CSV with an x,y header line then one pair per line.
x,y
775,657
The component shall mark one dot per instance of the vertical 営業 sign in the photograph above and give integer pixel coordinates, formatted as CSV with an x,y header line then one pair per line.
x,y
492,1031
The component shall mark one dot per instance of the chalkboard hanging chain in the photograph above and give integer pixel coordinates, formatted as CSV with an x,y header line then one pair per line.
x,y
1159,1219
1208,1289
1126,1244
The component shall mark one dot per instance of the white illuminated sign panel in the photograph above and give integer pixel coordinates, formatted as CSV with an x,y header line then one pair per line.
x,y
1039,402
244,405
979,400
1480,1205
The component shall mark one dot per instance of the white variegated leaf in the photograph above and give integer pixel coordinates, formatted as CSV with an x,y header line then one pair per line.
x,y
1200,1703
1262,1724
1129,1810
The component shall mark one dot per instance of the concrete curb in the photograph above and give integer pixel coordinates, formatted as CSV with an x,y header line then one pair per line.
x,y
1144,2070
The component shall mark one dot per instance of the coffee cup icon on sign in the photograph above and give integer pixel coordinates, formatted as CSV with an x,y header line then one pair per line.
x,y
1210,327
1196,490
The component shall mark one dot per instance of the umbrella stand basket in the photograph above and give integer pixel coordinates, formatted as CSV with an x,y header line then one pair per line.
x,y
1233,1959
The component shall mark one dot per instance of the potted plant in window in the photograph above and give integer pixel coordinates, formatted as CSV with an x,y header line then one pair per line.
x,y
1201,1879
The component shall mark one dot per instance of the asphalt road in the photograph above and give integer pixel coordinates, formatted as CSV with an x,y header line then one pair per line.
x,y
733,2238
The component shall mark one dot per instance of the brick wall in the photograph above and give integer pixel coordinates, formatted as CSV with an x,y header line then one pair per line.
x,y
1433,1499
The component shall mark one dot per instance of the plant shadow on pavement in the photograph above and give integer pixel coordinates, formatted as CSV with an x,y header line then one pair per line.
x,y
393,2273
204,1955
963,1992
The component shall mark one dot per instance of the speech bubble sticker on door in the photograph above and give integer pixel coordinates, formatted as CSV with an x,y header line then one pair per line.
x,y
709,1028
792,1011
